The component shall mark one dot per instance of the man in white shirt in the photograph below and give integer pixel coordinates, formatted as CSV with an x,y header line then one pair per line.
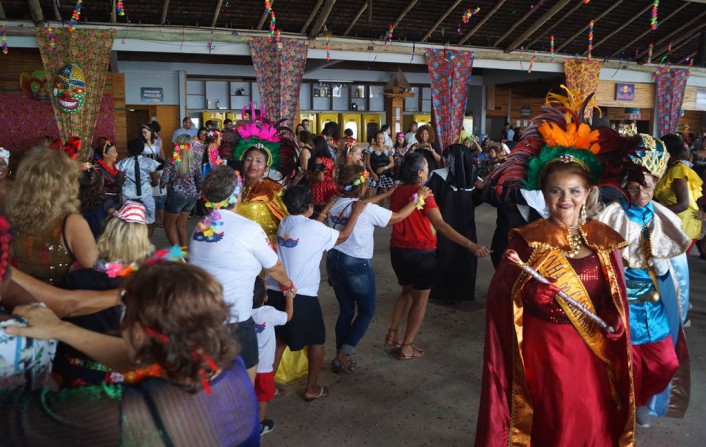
x,y
187,128
410,137
385,129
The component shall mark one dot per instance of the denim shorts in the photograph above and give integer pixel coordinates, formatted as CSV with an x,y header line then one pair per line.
x,y
176,204
159,202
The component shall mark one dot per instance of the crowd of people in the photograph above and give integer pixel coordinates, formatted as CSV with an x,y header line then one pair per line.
x,y
181,346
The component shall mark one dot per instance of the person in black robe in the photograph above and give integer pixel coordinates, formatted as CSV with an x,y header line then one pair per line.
x,y
456,189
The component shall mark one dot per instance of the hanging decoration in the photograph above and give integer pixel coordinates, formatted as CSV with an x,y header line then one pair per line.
x,y
35,85
649,53
586,2
328,47
551,47
590,39
534,56
390,30
50,37
3,31
210,46
274,32
75,16
522,57
120,7
653,19
469,13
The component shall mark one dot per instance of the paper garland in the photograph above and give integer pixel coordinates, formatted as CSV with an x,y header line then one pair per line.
x,y
328,47
50,36
649,53
274,32
120,7
3,31
551,47
590,39
653,19
76,15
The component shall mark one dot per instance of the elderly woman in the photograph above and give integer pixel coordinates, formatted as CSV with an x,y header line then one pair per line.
x,y
657,280
412,251
107,168
188,388
552,373
44,209
235,250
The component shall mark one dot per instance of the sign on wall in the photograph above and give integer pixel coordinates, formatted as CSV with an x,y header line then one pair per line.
x,y
152,94
525,112
701,99
624,92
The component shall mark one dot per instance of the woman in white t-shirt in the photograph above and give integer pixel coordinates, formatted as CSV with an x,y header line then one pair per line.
x,y
235,250
348,264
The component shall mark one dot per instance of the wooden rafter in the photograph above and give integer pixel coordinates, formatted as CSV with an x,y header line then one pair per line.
x,y
321,20
674,33
624,25
261,23
113,15
311,16
555,24
679,41
2,11
517,23
36,10
370,10
216,13
482,22
357,16
535,26
405,12
583,30
57,14
165,10
441,19
649,30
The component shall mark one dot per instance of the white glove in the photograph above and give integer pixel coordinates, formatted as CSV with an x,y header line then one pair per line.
x,y
659,266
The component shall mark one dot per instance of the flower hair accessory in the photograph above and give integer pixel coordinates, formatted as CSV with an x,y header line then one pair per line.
x,y
419,201
116,269
176,155
213,133
211,228
87,166
359,181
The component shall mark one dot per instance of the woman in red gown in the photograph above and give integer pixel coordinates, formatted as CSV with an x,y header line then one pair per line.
x,y
551,376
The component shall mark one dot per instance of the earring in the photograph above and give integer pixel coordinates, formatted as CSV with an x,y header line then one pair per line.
x,y
582,215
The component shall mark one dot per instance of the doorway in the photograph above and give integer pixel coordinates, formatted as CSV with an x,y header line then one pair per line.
x,y
135,118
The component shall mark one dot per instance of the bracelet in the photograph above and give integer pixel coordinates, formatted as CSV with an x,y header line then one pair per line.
x,y
290,289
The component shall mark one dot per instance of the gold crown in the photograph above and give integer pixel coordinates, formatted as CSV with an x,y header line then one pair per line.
x,y
655,156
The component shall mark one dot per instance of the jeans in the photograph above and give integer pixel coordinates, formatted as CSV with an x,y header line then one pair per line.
x,y
353,283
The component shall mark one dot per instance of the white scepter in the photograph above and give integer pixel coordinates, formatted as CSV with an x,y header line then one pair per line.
x,y
512,257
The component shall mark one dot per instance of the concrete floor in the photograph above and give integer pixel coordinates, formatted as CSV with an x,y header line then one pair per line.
x,y
433,401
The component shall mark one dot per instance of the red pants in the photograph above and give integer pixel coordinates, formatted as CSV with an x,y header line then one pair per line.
x,y
654,365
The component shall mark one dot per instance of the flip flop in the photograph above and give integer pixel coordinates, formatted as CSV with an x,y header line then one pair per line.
x,y
323,392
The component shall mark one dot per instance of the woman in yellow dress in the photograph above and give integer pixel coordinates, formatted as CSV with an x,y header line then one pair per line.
x,y
680,187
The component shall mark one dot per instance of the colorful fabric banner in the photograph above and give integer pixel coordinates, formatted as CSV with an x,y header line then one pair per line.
x,y
279,67
450,71
671,84
582,77
89,50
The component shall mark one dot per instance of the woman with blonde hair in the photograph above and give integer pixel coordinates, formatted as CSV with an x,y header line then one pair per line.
x,y
182,177
44,209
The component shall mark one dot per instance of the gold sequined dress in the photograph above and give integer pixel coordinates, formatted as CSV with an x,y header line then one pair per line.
x,y
263,204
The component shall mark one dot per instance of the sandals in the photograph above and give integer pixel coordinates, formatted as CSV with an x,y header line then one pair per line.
x,y
390,340
416,353
337,366
323,392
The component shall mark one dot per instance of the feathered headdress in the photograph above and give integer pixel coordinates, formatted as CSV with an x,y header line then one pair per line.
x,y
559,134
277,140
72,147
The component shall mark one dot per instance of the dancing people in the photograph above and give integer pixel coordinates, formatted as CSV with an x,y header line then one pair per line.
x,y
551,374
657,281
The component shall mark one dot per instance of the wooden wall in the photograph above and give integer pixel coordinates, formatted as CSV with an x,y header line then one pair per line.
x,y
644,96
501,99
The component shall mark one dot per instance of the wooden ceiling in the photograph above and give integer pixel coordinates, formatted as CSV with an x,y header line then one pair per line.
x,y
622,27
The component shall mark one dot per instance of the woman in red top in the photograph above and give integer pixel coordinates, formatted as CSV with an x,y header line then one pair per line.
x,y
321,165
412,251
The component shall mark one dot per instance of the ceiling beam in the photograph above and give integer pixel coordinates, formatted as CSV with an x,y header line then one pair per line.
x,y
264,16
623,26
677,43
404,13
36,10
165,10
216,13
370,10
2,11
649,30
57,14
321,20
441,19
556,23
113,15
535,26
357,16
674,33
311,16
518,22
583,30
321,66
482,22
